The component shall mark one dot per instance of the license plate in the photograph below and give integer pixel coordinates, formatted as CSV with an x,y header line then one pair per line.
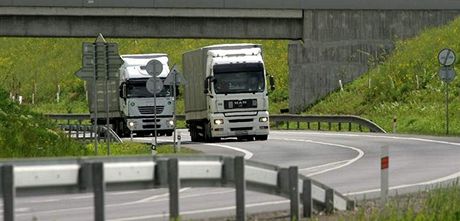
x,y
242,132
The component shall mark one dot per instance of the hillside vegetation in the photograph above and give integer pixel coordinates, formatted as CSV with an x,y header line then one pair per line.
x,y
43,65
24,133
405,85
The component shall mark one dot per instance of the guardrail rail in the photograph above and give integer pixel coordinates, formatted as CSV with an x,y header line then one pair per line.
x,y
98,175
318,122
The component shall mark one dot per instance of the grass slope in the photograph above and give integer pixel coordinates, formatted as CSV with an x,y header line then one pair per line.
x,y
42,65
405,85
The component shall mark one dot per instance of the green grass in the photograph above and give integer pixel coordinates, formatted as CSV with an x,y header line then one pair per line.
x,y
402,84
52,62
132,148
438,204
405,85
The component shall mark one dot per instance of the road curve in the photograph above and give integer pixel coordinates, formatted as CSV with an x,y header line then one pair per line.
x,y
348,162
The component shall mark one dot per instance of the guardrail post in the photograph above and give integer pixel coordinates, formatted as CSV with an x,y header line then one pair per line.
x,y
294,192
85,178
308,125
330,126
307,199
340,126
298,125
287,125
329,201
99,191
240,188
174,186
319,125
8,192
228,176
349,126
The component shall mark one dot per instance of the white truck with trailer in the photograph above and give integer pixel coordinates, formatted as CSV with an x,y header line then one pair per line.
x,y
131,104
226,94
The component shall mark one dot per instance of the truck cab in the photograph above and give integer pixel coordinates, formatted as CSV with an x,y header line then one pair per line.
x,y
137,105
234,92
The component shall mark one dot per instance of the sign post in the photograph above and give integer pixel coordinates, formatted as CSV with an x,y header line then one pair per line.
x,y
101,61
154,85
175,78
384,165
447,58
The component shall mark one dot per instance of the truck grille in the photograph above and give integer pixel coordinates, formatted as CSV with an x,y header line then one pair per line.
x,y
150,109
241,120
240,128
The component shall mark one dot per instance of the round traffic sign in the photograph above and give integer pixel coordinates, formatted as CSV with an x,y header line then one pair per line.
x,y
447,74
154,85
446,57
154,67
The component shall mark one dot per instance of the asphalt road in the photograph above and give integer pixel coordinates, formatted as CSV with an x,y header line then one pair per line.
x,y
348,162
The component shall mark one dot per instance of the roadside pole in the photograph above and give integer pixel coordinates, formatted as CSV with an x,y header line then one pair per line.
x,y
447,58
174,113
384,165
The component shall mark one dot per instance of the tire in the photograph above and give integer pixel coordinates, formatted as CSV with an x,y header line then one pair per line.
x,y
261,137
194,133
207,133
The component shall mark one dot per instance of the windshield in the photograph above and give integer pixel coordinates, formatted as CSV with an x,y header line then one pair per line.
x,y
239,78
137,88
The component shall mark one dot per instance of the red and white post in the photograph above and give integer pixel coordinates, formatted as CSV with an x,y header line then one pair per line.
x,y
384,165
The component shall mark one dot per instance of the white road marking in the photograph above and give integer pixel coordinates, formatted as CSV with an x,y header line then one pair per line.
x,y
202,211
156,198
348,162
430,182
323,165
374,136
148,199
19,210
247,154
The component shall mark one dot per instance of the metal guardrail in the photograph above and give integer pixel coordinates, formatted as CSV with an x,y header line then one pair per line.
x,y
98,175
342,122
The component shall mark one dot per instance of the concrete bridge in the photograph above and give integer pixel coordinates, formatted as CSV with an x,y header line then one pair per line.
x,y
331,39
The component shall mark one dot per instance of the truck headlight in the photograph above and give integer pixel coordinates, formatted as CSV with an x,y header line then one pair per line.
x,y
218,121
131,125
171,123
263,119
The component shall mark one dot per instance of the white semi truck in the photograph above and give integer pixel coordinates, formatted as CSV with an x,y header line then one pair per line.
x,y
226,94
131,104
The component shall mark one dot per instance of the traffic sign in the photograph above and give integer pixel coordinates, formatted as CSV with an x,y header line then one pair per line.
x,y
447,74
154,85
446,57
154,67
100,60
180,80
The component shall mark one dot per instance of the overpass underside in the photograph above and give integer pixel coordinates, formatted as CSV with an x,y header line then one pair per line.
x,y
328,45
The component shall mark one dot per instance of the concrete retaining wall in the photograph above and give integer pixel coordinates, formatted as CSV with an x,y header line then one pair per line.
x,y
336,44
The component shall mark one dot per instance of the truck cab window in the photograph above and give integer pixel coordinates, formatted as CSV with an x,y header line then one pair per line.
x,y
138,89
239,78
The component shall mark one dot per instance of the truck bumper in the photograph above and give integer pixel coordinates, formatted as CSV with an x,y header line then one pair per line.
x,y
148,124
243,124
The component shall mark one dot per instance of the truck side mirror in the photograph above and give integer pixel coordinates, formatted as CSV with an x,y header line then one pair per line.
x,y
272,82
206,86
207,83
123,90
